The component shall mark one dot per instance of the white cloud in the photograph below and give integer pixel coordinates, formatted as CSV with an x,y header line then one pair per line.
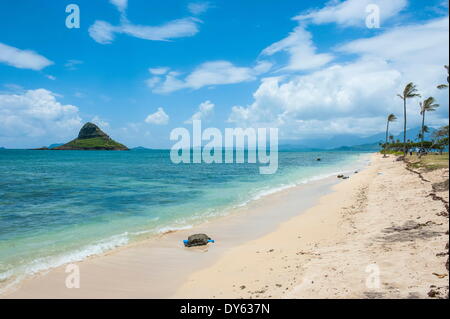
x,y
180,28
355,97
22,59
207,74
36,113
218,72
393,45
100,122
339,89
351,12
298,44
72,64
205,110
14,87
158,71
301,49
158,118
197,8
120,4
262,67
104,33
50,77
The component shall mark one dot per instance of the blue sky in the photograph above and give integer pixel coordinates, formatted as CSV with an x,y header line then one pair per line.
x,y
141,68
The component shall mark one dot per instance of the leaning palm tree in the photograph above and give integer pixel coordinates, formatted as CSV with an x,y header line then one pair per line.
x,y
444,86
410,91
428,105
390,118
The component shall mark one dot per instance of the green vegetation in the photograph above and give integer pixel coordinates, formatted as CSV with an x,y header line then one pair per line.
x,y
428,162
439,139
444,86
384,151
94,143
427,146
426,106
390,118
91,137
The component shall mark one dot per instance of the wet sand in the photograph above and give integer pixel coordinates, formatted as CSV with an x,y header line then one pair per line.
x,y
158,267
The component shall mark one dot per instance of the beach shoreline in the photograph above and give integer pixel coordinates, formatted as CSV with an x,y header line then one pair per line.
x,y
330,237
380,234
229,231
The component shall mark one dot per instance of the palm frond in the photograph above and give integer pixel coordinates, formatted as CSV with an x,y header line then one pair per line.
x,y
392,118
410,91
429,105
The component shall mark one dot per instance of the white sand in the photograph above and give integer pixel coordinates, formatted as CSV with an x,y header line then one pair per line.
x,y
287,245
337,248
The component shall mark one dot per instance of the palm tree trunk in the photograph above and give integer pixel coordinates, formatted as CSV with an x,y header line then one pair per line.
x,y
387,131
404,125
423,129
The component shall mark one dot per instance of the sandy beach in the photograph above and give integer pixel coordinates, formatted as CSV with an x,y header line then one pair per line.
x,y
380,223
378,234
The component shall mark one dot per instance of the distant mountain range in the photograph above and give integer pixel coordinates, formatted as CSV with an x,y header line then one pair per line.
x,y
347,142
344,142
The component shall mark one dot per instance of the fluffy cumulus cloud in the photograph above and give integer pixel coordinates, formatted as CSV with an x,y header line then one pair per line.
x,y
352,12
207,74
205,110
36,113
104,32
354,97
158,118
22,59
301,50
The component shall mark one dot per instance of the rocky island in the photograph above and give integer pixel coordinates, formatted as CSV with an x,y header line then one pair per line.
x,y
91,137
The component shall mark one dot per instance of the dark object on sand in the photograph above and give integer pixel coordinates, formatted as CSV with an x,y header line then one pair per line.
x,y
345,177
400,158
340,176
197,240
440,187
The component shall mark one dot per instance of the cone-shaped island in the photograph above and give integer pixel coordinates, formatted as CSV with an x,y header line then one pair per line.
x,y
91,137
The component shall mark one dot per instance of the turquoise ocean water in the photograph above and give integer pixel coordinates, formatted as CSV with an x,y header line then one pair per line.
x,y
63,206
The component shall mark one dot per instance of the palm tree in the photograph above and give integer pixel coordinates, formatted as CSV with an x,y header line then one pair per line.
x,y
440,138
419,137
390,118
444,86
428,105
410,91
